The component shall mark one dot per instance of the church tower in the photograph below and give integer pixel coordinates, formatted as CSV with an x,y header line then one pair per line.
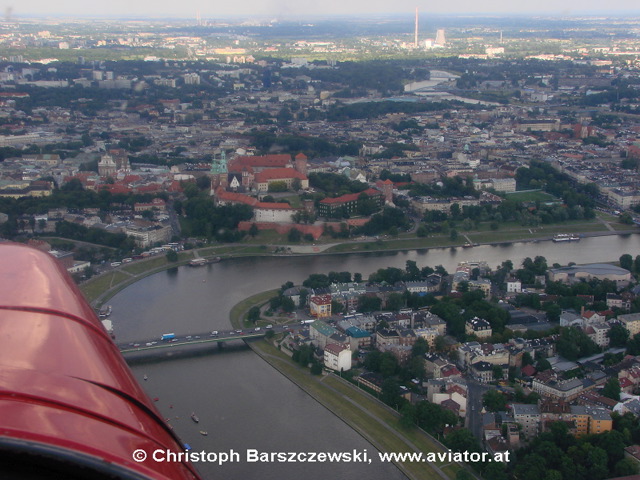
x,y
106,166
219,171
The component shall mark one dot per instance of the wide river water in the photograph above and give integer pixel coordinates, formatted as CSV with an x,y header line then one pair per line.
x,y
243,402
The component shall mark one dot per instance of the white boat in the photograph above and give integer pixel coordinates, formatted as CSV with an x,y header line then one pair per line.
x,y
566,237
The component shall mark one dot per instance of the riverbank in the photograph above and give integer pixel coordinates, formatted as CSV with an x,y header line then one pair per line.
x,y
101,287
374,421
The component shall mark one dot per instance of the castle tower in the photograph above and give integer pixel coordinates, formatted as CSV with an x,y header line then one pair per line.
x,y
300,164
415,35
386,187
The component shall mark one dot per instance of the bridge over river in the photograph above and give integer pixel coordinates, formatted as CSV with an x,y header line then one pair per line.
x,y
195,341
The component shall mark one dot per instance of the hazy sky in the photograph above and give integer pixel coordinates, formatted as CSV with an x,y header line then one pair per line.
x,y
278,8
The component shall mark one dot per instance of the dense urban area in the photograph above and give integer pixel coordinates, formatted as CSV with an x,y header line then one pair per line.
x,y
122,140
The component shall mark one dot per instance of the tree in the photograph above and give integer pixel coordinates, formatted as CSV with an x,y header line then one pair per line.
x,y
626,218
494,401
395,302
626,467
420,347
626,261
618,335
390,392
287,304
439,344
543,364
254,314
573,343
372,361
388,364
462,440
172,256
367,304
526,359
304,293
253,230
336,307
611,389
407,416
294,235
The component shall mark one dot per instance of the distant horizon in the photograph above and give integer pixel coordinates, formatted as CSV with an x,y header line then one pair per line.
x,y
301,9
169,16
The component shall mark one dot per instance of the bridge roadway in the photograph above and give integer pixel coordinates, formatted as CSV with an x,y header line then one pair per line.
x,y
156,344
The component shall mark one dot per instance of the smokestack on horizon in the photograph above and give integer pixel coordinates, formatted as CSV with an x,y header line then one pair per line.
x,y
415,38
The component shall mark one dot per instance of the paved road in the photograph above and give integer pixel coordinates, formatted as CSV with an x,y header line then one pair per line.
x,y
474,407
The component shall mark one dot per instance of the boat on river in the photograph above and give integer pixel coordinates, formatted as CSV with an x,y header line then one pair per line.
x,y
566,237
195,418
204,433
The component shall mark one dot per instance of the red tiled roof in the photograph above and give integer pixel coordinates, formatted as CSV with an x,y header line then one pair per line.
x,y
265,161
458,389
321,299
153,187
350,197
625,382
116,188
449,371
234,197
276,173
175,186
335,348
131,178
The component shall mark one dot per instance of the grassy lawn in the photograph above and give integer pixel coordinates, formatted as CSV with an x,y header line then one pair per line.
x,y
97,285
239,311
294,200
531,196
370,418
266,237
136,268
364,414
507,232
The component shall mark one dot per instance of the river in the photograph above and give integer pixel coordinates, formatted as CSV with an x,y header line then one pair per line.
x,y
243,402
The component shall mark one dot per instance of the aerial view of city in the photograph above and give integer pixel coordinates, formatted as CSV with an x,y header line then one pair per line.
x,y
275,240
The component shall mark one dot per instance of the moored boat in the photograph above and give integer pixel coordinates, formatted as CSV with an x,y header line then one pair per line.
x,y
195,418
566,237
